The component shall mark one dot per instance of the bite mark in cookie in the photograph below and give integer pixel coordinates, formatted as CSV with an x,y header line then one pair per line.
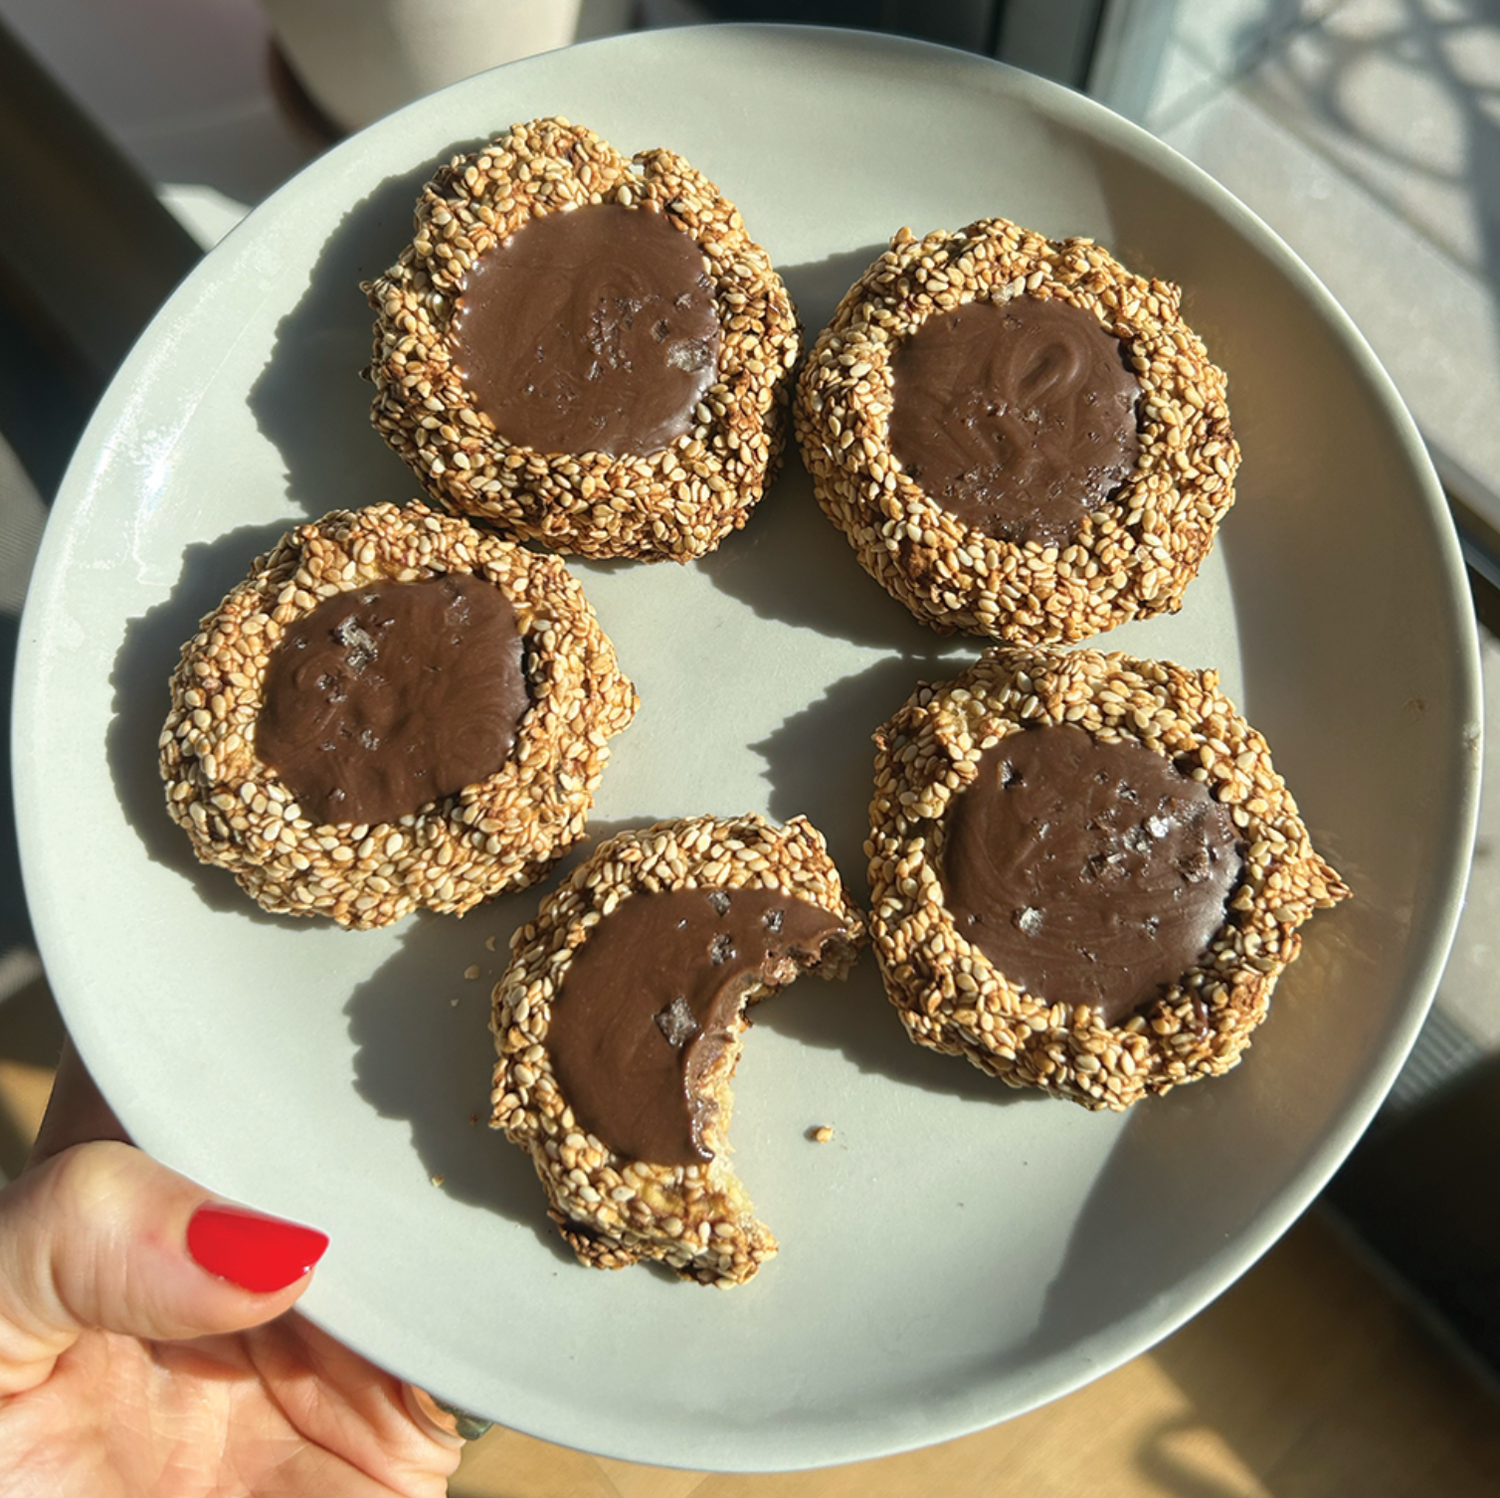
x,y
762,904
651,1001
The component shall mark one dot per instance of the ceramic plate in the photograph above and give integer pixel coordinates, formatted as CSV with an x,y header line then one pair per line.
x,y
959,1252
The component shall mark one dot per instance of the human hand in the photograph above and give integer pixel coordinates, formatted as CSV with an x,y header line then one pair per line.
x,y
147,1346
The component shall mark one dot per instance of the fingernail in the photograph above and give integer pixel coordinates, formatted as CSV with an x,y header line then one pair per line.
x,y
444,1423
467,1427
252,1250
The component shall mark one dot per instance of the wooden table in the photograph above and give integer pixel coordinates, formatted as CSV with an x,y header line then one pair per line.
x,y
1312,1378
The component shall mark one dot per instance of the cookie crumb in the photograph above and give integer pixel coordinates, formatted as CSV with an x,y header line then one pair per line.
x,y
489,944
820,1135
438,1180
472,971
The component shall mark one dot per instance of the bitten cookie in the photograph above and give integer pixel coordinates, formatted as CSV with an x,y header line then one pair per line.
x,y
392,711
1086,875
586,350
619,1022
1020,438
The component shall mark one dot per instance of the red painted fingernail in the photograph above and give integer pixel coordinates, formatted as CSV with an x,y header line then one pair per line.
x,y
252,1250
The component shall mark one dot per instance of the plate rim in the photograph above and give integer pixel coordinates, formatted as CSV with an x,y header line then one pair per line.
x,y
1054,103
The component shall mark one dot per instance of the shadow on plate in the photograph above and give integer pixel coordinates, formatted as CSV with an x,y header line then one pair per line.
x,y
424,1054
791,563
1164,1227
310,399
423,1050
821,761
818,286
855,1017
147,656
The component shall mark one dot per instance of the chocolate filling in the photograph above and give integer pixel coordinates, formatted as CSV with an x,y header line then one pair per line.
x,y
647,1004
1017,417
592,330
390,696
1088,873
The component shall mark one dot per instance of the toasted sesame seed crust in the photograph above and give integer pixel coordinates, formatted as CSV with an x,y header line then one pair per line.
x,y
496,835
949,995
678,502
1132,558
615,1211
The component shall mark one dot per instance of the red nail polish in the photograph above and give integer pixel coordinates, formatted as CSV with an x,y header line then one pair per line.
x,y
252,1250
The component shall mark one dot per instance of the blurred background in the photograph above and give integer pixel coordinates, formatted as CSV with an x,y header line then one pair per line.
x,y
1363,1354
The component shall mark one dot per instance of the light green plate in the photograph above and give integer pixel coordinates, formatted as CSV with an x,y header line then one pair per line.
x,y
960,1252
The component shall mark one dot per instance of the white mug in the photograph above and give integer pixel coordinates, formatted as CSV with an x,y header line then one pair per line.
x,y
360,59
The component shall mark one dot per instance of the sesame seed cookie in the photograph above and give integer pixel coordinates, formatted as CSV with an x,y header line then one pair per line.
x,y
1128,553
954,999
656,1082
499,833
677,501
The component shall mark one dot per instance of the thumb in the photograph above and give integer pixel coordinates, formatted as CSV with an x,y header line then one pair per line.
x,y
102,1237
